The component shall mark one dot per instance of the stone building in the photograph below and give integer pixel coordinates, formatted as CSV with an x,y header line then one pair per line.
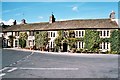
x,y
105,26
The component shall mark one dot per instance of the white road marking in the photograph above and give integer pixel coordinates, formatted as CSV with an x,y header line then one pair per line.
x,y
12,69
21,59
2,74
48,68
4,69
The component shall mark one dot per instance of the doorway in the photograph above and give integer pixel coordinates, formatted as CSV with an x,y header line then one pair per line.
x,y
65,47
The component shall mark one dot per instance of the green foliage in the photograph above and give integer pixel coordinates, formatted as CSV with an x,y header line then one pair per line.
x,y
58,40
23,35
71,34
105,39
11,38
22,43
72,42
79,50
41,39
115,41
79,39
22,39
92,40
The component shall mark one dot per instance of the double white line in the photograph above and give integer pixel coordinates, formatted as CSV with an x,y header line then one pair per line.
x,y
3,74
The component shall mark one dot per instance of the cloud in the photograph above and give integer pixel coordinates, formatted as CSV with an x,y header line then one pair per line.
x,y
9,22
40,17
75,8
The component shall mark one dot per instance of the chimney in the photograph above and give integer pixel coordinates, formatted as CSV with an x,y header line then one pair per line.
x,y
23,21
112,15
14,23
52,18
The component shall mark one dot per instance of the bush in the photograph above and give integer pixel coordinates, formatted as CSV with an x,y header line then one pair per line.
x,y
73,50
79,50
114,52
56,49
84,51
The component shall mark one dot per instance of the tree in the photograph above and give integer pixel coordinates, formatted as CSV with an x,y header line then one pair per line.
x,y
92,40
11,38
22,39
41,39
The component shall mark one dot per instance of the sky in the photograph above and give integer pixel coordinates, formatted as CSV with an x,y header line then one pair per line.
x,y
60,0
34,12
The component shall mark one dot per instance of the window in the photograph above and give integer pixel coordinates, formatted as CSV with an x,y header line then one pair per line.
x,y
31,33
104,45
54,34
16,33
51,34
107,45
80,45
76,33
100,33
105,33
79,33
48,34
51,45
82,33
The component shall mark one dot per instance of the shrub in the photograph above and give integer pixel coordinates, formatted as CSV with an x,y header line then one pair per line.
x,y
73,50
79,50
56,49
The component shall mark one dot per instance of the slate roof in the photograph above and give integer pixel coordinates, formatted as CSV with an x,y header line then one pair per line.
x,y
66,25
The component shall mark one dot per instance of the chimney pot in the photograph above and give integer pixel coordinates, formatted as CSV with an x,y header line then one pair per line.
x,y
52,19
23,21
112,15
15,22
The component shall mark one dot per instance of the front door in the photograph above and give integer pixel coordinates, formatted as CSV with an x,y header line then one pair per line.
x,y
64,47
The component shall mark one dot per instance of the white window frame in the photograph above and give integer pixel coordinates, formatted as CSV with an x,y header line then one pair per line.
x,y
104,34
105,46
80,45
51,34
81,32
51,44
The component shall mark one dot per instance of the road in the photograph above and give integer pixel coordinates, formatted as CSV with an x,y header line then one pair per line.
x,y
22,64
